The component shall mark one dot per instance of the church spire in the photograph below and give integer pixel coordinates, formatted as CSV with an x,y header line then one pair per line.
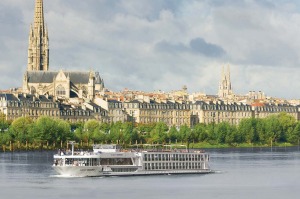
x,y
39,16
228,77
38,49
225,90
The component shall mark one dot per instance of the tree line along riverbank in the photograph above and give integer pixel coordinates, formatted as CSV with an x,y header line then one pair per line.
x,y
47,133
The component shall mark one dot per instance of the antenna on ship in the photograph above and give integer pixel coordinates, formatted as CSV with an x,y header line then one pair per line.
x,y
72,143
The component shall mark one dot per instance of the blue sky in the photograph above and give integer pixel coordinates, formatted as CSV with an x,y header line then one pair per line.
x,y
162,44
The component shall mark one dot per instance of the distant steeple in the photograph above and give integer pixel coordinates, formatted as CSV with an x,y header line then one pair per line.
x,y
38,49
228,77
225,90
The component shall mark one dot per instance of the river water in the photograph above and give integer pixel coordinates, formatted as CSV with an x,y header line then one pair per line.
x,y
241,174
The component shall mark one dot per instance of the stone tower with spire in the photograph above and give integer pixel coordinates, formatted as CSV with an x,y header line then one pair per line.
x,y
61,84
225,89
38,49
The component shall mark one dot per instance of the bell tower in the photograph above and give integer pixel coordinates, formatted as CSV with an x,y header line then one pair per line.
x,y
225,90
38,48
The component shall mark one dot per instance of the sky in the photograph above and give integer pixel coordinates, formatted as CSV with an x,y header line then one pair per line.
x,y
151,45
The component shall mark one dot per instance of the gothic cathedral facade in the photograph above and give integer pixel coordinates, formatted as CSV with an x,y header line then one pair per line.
x,y
61,84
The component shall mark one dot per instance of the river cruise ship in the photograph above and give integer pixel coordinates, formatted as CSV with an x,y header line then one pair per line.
x,y
110,160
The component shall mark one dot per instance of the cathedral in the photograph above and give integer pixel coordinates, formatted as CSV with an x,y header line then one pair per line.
x,y
225,90
61,84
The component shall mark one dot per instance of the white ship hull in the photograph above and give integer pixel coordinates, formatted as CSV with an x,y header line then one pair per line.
x,y
70,171
98,172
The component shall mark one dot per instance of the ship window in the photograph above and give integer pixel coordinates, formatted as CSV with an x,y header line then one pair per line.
x,y
116,161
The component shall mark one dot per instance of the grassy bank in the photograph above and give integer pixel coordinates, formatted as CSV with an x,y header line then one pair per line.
x,y
85,146
206,145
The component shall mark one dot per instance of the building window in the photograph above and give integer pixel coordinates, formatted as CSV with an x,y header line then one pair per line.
x,y
32,90
60,91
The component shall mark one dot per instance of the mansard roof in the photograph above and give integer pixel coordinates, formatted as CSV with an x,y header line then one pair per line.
x,y
40,98
8,97
113,101
26,97
135,101
48,76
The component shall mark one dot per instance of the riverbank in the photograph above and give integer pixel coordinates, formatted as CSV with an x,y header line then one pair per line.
x,y
13,147
206,145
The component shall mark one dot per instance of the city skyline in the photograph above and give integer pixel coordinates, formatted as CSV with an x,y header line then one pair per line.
x,y
183,43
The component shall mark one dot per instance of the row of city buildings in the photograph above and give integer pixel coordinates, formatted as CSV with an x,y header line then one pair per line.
x,y
80,96
173,113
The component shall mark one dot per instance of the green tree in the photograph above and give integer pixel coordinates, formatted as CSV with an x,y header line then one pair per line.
x,y
211,130
222,130
294,135
78,133
261,130
20,129
287,124
145,128
127,132
90,131
232,135
184,133
48,129
5,137
247,130
273,129
116,133
172,136
92,125
104,127
62,131
3,123
201,132
159,133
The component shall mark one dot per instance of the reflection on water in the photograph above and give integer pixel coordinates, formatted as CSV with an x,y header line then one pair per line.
x,y
241,173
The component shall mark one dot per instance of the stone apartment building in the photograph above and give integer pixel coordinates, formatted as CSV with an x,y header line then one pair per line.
x,y
234,112
171,113
83,113
34,106
25,105
261,110
114,108
221,112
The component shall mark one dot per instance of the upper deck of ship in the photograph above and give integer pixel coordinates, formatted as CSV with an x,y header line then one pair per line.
x,y
167,148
